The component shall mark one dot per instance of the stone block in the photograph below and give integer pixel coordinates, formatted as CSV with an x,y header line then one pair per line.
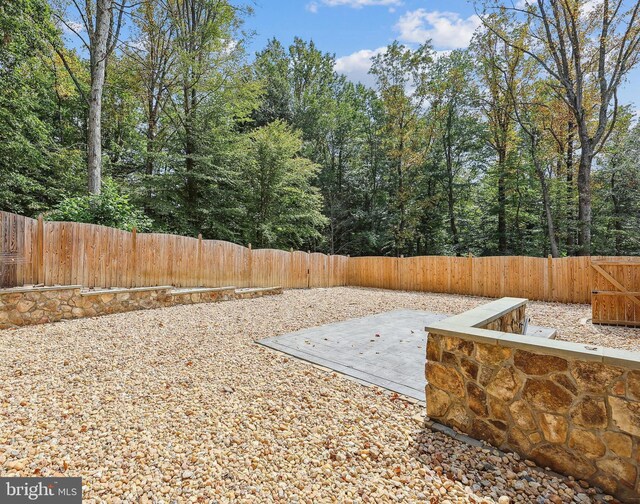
x,y
618,443
505,385
590,412
586,443
107,298
485,375
562,460
633,385
554,427
566,382
454,344
519,440
538,364
457,417
545,395
625,415
522,416
23,306
445,378
469,368
433,347
620,469
487,432
492,354
594,376
477,399
450,359
438,401
498,409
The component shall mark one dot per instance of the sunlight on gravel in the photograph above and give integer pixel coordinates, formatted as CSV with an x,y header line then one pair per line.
x,y
179,405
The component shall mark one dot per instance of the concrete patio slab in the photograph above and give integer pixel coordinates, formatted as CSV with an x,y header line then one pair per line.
x,y
387,349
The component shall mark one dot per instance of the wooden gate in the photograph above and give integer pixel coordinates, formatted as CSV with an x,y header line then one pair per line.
x,y
615,296
16,250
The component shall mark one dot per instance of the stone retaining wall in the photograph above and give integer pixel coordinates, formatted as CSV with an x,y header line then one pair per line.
x,y
573,408
39,305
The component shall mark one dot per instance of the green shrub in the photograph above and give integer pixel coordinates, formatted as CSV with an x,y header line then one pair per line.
x,y
109,208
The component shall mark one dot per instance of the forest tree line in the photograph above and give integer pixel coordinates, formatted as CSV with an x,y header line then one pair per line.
x,y
153,115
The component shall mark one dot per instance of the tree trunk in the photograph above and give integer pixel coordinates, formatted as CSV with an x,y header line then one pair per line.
x,y
455,239
551,231
617,216
569,194
98,62
584,199
190,145
152,125
502,198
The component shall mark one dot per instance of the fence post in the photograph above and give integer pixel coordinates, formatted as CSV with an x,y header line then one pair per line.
x,y
471,290
199,265
40,276
550,276
250,268
134,261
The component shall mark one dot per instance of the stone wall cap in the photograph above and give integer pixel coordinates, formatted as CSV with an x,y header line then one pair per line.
x,y
257,289
99,292
30,288
621,358
193,290
487,313
566,349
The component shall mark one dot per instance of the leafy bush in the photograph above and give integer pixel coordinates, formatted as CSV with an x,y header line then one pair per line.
x,y
109,208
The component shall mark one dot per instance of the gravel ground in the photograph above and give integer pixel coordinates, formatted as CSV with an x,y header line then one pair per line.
x,y
179,405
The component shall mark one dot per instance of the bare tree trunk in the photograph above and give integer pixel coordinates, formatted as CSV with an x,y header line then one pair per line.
x,y
455,239
584,200
502,198
151,142
98,70
551,231
617,215
569,194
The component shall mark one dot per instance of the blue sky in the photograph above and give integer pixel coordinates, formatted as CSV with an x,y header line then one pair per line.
x,y
354,30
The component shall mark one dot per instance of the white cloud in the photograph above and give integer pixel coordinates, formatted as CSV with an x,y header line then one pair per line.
x,y
357,4
356,66
446,30
312,7
72,27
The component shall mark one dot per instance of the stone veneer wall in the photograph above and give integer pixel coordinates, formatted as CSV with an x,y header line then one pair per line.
x,y
510,322
26,306
572,408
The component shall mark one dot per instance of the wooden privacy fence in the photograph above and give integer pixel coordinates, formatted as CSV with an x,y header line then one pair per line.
x,y
565,280
37,252
71,253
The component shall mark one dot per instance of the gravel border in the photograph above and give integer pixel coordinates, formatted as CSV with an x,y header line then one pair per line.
x,y
179,405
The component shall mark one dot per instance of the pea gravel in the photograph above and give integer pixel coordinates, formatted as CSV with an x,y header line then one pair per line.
x,y
179,405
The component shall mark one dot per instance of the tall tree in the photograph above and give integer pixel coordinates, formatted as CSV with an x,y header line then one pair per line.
x,y
154,55
101,20
284,209
587,48
453,96
498,66
401,76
